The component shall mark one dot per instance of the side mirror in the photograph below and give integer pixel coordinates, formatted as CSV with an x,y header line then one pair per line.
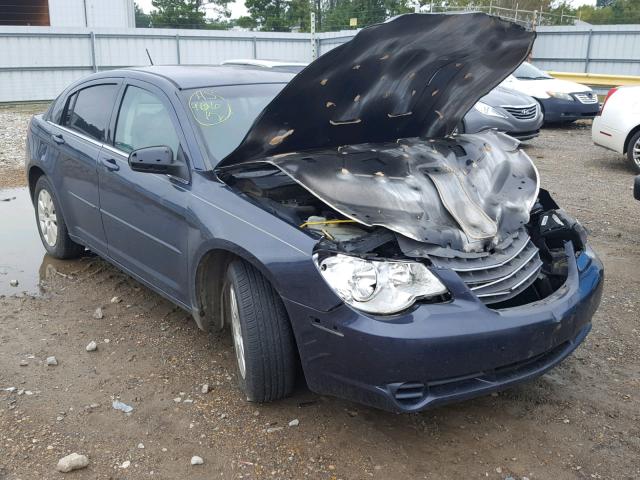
x,y
154,160
636,188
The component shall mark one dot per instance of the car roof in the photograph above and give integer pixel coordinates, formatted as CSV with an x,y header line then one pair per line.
x,y
188,76
264,63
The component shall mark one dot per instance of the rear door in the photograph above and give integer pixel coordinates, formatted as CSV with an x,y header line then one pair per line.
x,y
144,214
79,134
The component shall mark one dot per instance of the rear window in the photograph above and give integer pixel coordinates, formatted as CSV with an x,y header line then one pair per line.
x,y
223,115
88,110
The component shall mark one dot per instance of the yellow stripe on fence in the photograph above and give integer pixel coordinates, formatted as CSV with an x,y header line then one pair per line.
x,y
597,79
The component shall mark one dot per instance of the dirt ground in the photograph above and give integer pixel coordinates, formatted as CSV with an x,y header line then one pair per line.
x,y
580,421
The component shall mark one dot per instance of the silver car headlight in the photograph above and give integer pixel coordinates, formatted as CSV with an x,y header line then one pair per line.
x,y
561,96
485,109
378,286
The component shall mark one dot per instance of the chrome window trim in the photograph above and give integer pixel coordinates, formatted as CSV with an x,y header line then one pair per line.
x,y
78,134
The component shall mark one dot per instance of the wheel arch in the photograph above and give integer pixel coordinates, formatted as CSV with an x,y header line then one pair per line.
x,y
35,172
630,135
209,280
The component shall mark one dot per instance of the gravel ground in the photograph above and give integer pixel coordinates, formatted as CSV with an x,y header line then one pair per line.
x,y
580,421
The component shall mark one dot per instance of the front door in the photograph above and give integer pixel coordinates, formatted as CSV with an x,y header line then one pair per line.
x,y
144,214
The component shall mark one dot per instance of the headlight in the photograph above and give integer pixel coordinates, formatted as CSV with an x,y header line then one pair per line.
x,y
561,96
374,286
488,110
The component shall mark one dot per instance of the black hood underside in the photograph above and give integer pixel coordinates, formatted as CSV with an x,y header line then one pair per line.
x,y
414,76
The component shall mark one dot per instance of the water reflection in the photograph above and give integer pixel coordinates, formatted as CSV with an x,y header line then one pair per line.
x,y
22,256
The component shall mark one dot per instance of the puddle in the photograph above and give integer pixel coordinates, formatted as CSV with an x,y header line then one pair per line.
x,y
22,256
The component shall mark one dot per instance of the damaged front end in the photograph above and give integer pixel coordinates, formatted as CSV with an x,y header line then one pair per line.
x,y
371,168
457,274
383,213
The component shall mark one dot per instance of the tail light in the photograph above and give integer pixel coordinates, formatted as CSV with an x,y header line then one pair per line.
x,y
611,92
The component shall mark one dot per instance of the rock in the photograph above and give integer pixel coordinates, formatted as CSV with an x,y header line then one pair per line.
x,y
14,283
196,460
98,314
294,423
23,363
123,407
126,464
72,462
177,399
10,389
273,429
92,346
141,446
205,388
116,300
52,361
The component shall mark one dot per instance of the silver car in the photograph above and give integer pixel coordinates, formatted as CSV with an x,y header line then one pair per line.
x,y
515,113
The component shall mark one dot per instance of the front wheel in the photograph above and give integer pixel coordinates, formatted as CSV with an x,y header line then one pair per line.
x,y
51,226
633,151
262,336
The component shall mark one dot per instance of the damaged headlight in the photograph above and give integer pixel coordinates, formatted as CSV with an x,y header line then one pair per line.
x,y
485,109
381,287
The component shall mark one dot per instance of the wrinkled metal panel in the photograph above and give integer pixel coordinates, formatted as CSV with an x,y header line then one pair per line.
x,y
416,75
467,193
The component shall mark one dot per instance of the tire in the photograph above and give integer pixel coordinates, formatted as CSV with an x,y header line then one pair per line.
x,y
633,151
266,356
51,226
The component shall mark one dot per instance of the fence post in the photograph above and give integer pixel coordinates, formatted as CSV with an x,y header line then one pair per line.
x,y
516,18
178,47
92,37
490,6
254,46
314,45
588,54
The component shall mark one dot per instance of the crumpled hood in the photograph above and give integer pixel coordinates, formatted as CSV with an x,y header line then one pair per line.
x,y
414,76
468,193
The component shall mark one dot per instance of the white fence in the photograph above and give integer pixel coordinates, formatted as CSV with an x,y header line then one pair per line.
x,y
36,63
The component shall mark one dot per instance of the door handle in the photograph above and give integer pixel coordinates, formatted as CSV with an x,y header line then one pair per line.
x,y
58,138
110,164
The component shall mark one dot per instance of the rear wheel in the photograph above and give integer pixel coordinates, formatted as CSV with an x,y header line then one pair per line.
x,y
51,226
261,332
633,151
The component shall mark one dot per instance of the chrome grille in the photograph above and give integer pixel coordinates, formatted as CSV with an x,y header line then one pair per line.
x,y
586,97
500,276
523,113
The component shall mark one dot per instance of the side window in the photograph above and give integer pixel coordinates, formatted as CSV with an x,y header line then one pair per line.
x,y
143,121
87,110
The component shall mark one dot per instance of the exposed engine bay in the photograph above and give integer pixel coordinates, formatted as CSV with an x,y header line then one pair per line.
x,y
455,203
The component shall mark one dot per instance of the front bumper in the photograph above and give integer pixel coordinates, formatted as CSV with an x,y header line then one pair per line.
x,y
440,353
558,111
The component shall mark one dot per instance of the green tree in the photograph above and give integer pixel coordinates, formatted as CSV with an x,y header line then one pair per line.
x,y
143,20
269,15
178,14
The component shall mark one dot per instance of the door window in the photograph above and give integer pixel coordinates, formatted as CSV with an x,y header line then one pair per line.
x,y
144,121
88,110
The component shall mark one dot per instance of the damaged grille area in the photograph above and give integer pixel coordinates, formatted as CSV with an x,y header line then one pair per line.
x,y
502,276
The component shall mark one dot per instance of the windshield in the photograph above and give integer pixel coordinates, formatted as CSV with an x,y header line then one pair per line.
x,y
526,71
224,114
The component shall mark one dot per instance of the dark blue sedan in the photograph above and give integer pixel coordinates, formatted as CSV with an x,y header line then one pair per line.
x,y
330,220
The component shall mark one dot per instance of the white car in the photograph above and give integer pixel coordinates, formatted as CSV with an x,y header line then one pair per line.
x,y
278,65
618,125
561,101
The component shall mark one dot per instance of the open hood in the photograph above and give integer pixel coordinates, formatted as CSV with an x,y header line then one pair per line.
x,y
414,76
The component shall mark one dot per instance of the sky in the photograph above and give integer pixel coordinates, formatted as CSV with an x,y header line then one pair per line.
x,y
238,9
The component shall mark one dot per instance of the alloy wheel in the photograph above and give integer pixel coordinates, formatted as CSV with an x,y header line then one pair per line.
x,y
236,331
47,218
636,152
